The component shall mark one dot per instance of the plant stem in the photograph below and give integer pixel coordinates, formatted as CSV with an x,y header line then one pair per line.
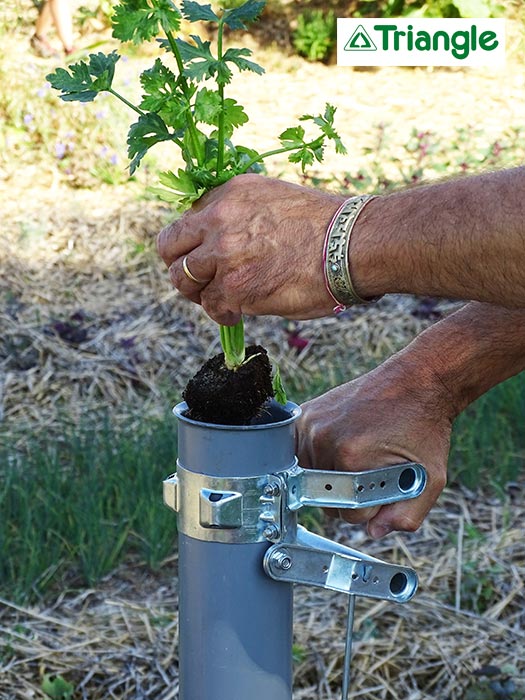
x,y
126,102
232,341
220,134
198,148
268,154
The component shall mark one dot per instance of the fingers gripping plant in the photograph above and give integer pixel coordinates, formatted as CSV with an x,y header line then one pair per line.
x,y
184,103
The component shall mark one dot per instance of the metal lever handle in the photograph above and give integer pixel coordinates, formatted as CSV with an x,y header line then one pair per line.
x,y
294,563
311,487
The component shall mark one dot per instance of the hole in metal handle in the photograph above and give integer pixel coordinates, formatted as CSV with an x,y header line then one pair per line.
x,y
407,479
398,584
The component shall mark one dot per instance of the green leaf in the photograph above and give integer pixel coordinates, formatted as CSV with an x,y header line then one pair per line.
x,y
57,688
238,17
181,182
182,192
142,135
292,137
199,63
194,12
162,96
234,116
278,387
304,156
474,8
142,20
84,81
207,106
326,124
158,83
236,56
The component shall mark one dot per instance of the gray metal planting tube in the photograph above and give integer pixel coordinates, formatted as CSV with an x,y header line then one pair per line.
x,y
235,623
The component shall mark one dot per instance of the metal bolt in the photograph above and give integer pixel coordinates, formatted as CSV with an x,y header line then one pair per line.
x,y
271,532
282,560
271,489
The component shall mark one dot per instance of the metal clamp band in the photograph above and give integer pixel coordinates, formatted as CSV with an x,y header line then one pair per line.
x,y
233,510
255,509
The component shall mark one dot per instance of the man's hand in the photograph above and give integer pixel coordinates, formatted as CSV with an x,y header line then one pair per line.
x,y
257,246
403,410
396,413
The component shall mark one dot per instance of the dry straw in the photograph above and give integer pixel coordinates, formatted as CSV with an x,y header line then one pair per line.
x,y
120,639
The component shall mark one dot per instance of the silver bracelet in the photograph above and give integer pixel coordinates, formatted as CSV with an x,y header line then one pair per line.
x,y
336,264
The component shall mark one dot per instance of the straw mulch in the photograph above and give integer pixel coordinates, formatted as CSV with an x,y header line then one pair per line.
x,y
90,320
461,637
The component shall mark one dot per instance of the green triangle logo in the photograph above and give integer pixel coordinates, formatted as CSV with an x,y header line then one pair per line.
x,y
360,41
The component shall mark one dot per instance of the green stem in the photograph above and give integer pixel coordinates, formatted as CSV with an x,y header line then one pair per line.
x,y
220,134
232,341
126,102
198,149
268,154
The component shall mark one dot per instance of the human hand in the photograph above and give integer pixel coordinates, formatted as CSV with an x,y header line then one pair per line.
x,y
396,413
257,245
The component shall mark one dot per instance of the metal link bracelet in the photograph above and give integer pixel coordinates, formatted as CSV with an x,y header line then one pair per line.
x,y
335,254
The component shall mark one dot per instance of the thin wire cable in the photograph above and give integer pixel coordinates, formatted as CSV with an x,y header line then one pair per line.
x,y
348,647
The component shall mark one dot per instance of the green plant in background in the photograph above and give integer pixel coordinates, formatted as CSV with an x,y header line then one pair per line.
x,y
74,508
315,34
479,573
200,121
426,155
100,14
488,444
56,688
431,8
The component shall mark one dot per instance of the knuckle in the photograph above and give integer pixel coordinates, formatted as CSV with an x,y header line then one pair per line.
x,y
438,482
408,522
176,276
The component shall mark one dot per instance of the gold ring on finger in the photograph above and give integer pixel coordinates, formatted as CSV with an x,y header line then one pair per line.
x,y
187,271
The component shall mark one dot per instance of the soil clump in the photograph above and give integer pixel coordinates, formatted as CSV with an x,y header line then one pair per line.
x,y
219,395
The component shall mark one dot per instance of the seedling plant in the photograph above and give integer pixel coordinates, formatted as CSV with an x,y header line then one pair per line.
x,y
184,103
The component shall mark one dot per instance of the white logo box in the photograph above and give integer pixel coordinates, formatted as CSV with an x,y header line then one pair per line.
x,y
421,42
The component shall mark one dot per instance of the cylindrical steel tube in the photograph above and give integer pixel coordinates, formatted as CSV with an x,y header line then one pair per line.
x,y
235,624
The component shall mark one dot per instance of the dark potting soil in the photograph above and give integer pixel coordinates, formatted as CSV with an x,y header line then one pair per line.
x,y
217,394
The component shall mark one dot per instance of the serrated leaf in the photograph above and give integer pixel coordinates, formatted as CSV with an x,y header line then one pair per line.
x,y
236,56
84,81
183,190
292,137
158,83
194,12
325,123
207,106
181,182
161,95
199,62
239,17
142,135
234,116
303,156
142,20
278,387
